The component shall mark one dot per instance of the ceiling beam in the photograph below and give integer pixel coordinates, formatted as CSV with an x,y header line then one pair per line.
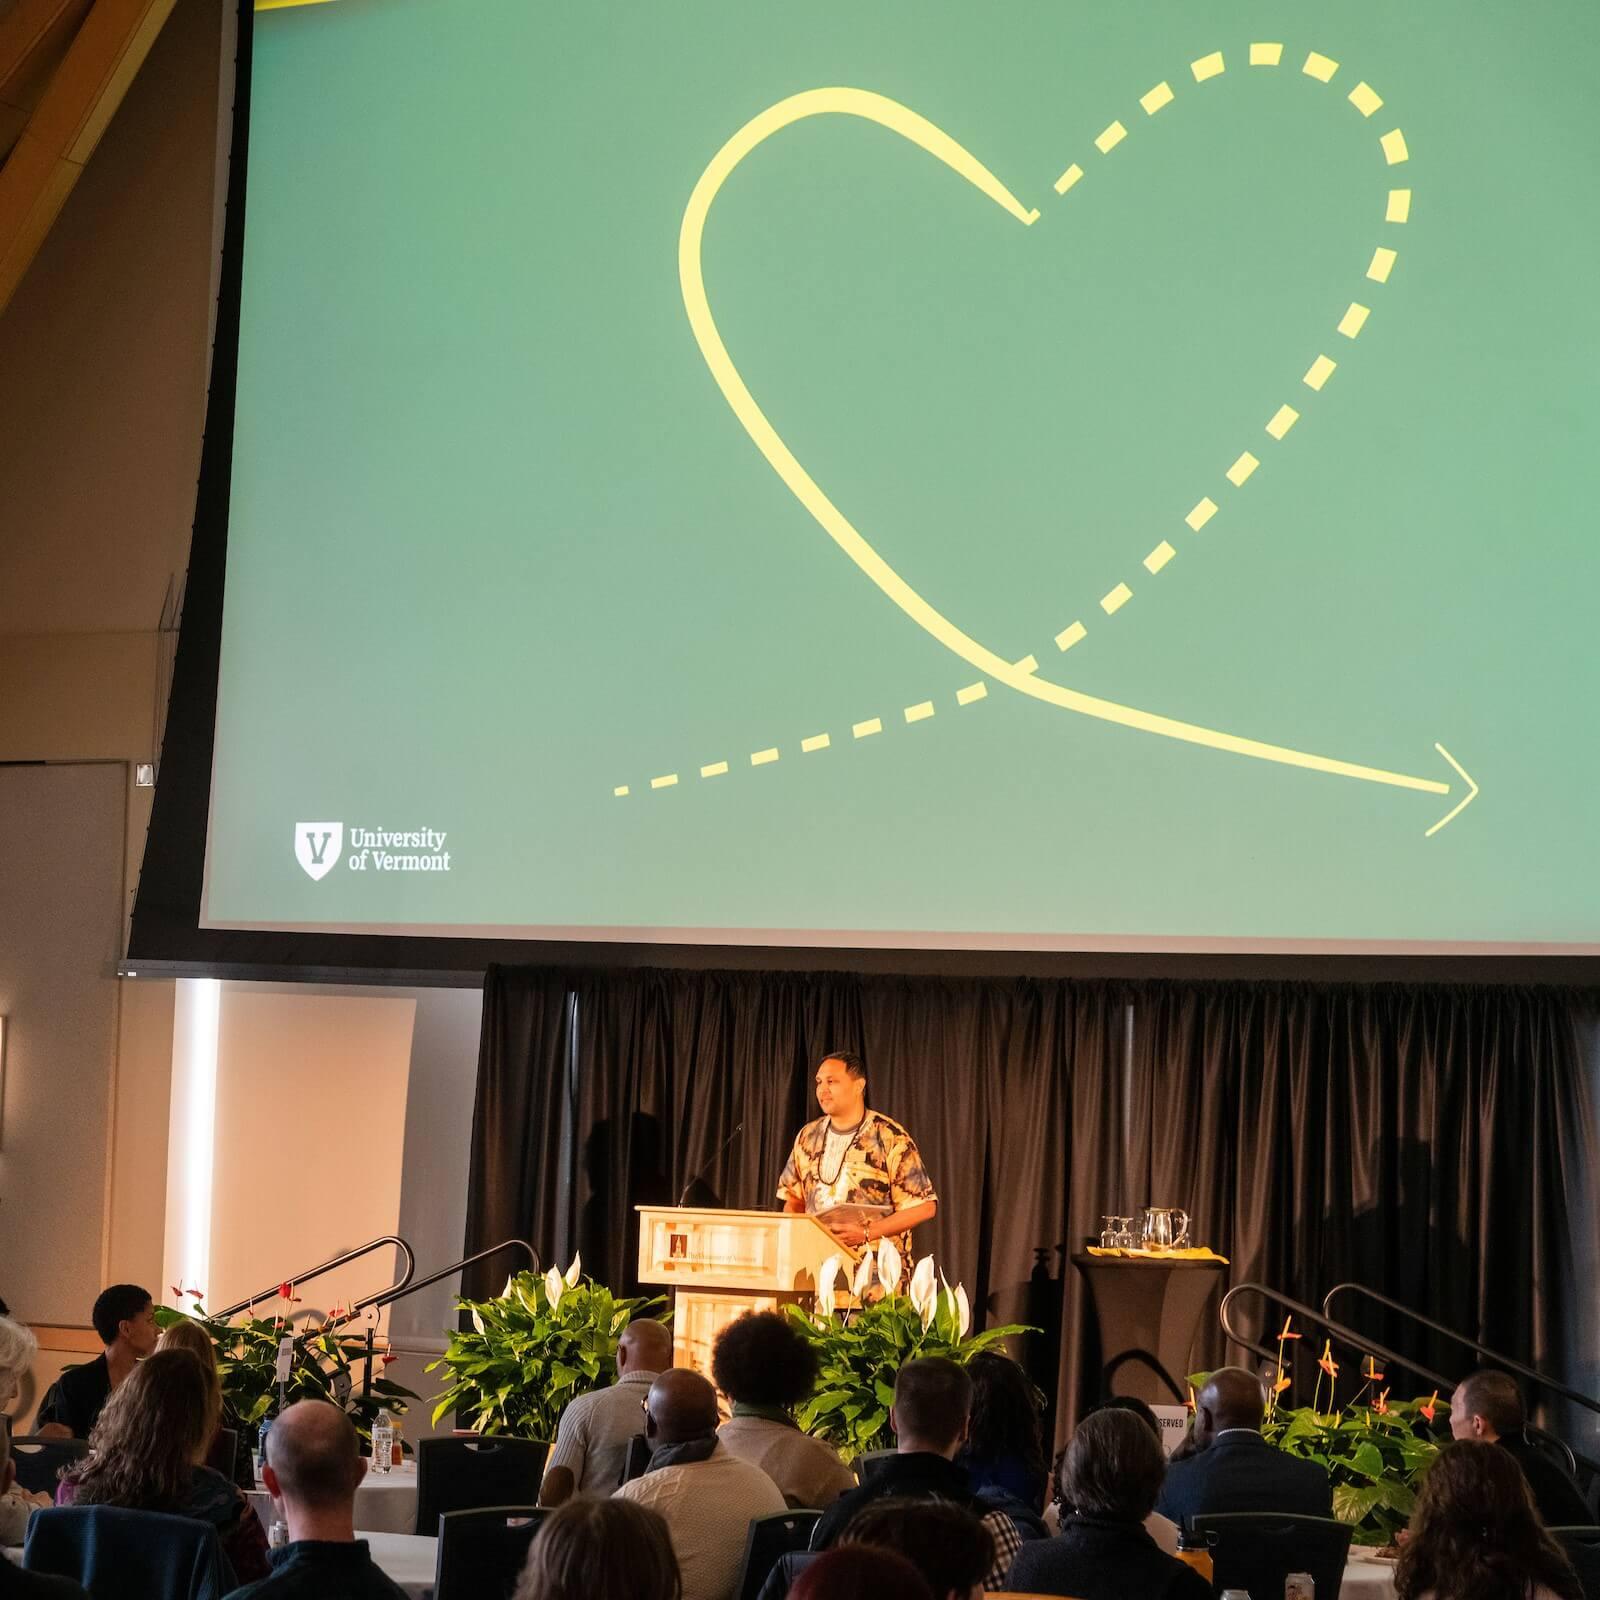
x,y
66,124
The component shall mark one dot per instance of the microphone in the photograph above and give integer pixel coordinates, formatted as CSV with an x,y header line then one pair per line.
x,y
696,1177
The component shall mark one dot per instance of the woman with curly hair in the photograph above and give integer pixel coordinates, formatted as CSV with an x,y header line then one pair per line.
x,y
145,1454
1005,1451
765,1367
1475,1535
601,1550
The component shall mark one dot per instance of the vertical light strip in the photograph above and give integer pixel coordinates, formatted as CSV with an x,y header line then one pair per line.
x,y
192,1144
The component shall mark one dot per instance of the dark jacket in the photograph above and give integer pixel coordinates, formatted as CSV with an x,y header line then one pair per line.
x,y
114,1551
15,1584
1094,1558
1560,1501
77,1397
1240,1471
917,1475
321,1569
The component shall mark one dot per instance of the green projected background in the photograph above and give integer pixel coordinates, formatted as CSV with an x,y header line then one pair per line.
x,y
1084,474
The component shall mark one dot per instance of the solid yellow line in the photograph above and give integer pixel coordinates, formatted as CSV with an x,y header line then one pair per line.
x,y
918,131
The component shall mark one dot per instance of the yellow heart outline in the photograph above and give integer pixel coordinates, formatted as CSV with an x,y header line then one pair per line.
x,y
900,119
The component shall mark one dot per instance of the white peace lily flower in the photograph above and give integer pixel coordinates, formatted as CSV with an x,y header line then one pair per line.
x,y
863,1277
554,1287
477,1321
889,1264
574,1269
828,1282
924,1290
505,1293
963,1310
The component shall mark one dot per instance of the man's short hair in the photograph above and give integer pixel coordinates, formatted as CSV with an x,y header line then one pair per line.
x,y
849,1060
1494,1396
764,1360
1113,1467
946,1543
932,1400
122,1302
317,1465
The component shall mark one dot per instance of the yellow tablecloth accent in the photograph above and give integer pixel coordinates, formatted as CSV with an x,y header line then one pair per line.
x,y
1188,1253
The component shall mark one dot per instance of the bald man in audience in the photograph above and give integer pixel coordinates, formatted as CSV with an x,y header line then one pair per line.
x,y
312,1471
1234,1468
707,1496
596,1429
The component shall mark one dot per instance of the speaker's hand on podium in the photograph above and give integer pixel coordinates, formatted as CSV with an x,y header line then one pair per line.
x,y
848,1231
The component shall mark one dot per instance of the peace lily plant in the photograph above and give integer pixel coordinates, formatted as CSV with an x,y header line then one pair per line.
x,y
860,1351
534,1349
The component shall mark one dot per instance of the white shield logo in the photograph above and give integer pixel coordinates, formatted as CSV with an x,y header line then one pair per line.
x,y
318,846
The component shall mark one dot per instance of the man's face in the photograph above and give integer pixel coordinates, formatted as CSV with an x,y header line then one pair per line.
x,y
840,1096
1463,1425
140,1332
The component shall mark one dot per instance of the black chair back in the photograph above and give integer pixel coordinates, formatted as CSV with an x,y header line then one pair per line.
x,y
114,1552
770,1539
482,1552
39,1461
465,1474
1257,1550
1582,1546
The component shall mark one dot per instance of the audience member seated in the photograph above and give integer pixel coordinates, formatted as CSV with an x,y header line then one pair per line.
x,y
707,1496
950,1547
1005,1452
1487,1408
1110,1477
18,1347
187,1334
765,1367
312,1471
596,1429
859,1572
1162,1529
931,1418
124,1318
145,1453
601,1550
15,1584
1475,1534
1234,1468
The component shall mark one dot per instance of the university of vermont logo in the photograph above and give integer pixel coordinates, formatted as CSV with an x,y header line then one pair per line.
x,y
318,846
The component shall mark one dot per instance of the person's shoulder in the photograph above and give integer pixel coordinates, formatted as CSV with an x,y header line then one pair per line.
x,y
745,1473
889,1127
812,1131
87,1378
1183,1582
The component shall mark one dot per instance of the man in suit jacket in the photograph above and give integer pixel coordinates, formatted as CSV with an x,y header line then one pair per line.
x,y
1234,1468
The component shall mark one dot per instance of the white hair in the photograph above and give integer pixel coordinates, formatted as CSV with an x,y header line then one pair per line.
x,y
18,1347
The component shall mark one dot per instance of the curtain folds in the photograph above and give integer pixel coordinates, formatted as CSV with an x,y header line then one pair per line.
x,y
1434,1143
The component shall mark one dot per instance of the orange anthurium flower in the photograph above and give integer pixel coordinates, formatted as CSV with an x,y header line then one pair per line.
x,y
1430,1405
1326,1361
1286,1334
1381,1404
1281,1384
1369,1370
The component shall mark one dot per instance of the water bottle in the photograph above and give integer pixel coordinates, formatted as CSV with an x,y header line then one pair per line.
x,y
1235,1594
1193,1552
1299,1586
382,1443
278,1534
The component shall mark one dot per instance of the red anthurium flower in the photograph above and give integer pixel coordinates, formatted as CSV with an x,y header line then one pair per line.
x,y
1381,1404
387,1359
177,1291
1430,1405
198,1294
1326,1361
1369,1370
1288,1323
286,1291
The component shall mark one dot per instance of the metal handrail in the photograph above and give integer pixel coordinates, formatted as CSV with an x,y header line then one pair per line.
x,y
400,1291
394,1289
1532,1374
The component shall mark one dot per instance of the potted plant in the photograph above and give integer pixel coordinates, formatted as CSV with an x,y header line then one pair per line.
x,y
533,1349
860,1351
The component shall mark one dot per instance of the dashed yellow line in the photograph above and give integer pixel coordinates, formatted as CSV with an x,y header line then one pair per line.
x,y
1383,260
1399,207
1365,98
1354,320
714,769
1207,66
764,758
973,692
1108,141
865,730
1239,473
1319,372
1068,178
1283,419
1156,98
817,741
1318,66
1394,147
1202,513
667,782
1265,55
1158,558
919,712
1113,602
1070,635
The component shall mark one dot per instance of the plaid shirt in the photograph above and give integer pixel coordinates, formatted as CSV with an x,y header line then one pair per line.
x,y
882,1168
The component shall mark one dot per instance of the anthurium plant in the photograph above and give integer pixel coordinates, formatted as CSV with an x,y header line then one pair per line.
x,y
1375,1450
533,1349
860,1350
326,1364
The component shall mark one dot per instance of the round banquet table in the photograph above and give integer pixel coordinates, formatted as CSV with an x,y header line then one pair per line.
x,y
386,1502
1367,1578
408,1558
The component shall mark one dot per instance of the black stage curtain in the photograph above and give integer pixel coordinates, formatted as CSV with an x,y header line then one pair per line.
x,y
1429,1141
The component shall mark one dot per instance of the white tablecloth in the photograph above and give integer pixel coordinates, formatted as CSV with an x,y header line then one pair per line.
x,y
1366,1579
386,1502
408,1558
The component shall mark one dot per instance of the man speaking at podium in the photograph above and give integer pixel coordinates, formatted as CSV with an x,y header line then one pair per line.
x,y
857,1171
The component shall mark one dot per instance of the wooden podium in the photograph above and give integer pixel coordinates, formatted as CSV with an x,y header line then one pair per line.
x,y
721,1264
